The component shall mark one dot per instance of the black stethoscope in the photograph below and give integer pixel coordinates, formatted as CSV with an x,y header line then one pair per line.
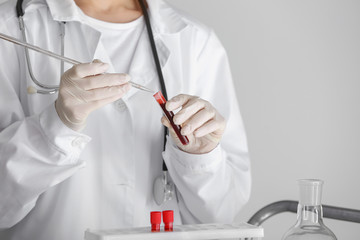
x,y
163,189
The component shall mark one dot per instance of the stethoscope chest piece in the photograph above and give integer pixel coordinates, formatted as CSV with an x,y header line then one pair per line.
x,y
163,189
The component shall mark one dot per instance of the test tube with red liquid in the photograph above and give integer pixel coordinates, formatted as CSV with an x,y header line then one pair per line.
x,y
155,219
170,115
168,219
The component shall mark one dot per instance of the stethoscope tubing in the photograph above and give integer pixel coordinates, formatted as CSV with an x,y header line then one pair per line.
x,y
49,89
167,187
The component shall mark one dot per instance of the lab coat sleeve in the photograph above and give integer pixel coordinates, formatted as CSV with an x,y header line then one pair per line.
x,y
36,152
213,187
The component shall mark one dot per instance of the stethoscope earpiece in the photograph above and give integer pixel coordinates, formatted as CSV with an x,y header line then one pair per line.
x,y
33,90
163,189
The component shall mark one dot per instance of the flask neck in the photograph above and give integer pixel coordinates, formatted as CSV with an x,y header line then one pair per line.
x,y
309,215
310,192
309,208
309,224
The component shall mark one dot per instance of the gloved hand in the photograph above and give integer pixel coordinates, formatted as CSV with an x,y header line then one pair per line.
x,y
84,88
200,122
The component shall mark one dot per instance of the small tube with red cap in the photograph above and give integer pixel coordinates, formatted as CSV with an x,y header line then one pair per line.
x,y
170,115
155,219
168,219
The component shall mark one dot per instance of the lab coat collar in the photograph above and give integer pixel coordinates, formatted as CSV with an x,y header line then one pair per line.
x,y
163,17
142,68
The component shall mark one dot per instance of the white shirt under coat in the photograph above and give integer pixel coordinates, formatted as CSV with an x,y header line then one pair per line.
x,y
55,183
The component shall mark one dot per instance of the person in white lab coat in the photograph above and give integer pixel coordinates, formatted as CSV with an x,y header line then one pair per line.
x,y
87,157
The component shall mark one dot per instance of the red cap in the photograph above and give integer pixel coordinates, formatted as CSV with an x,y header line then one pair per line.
x,y
168,216
159,97
155,217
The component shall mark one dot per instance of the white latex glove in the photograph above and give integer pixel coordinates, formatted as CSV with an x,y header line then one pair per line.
x,y
84,88
200,122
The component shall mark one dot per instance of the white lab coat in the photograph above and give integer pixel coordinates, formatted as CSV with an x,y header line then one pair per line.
x,y
55,183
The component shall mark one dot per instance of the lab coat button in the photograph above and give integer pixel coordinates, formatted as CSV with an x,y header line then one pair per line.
x,y
120,105
78,142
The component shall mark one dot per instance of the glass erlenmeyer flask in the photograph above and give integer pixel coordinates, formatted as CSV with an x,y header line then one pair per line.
x,y
309,225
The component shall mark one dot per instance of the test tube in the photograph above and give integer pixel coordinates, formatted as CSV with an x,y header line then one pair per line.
x,y
155,219
168,218
170,115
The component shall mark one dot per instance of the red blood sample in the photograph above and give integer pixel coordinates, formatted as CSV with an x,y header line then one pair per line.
x,y
170,115
168,218
155,219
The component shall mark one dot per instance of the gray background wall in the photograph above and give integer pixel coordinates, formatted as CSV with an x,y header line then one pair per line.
x,y
296,67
